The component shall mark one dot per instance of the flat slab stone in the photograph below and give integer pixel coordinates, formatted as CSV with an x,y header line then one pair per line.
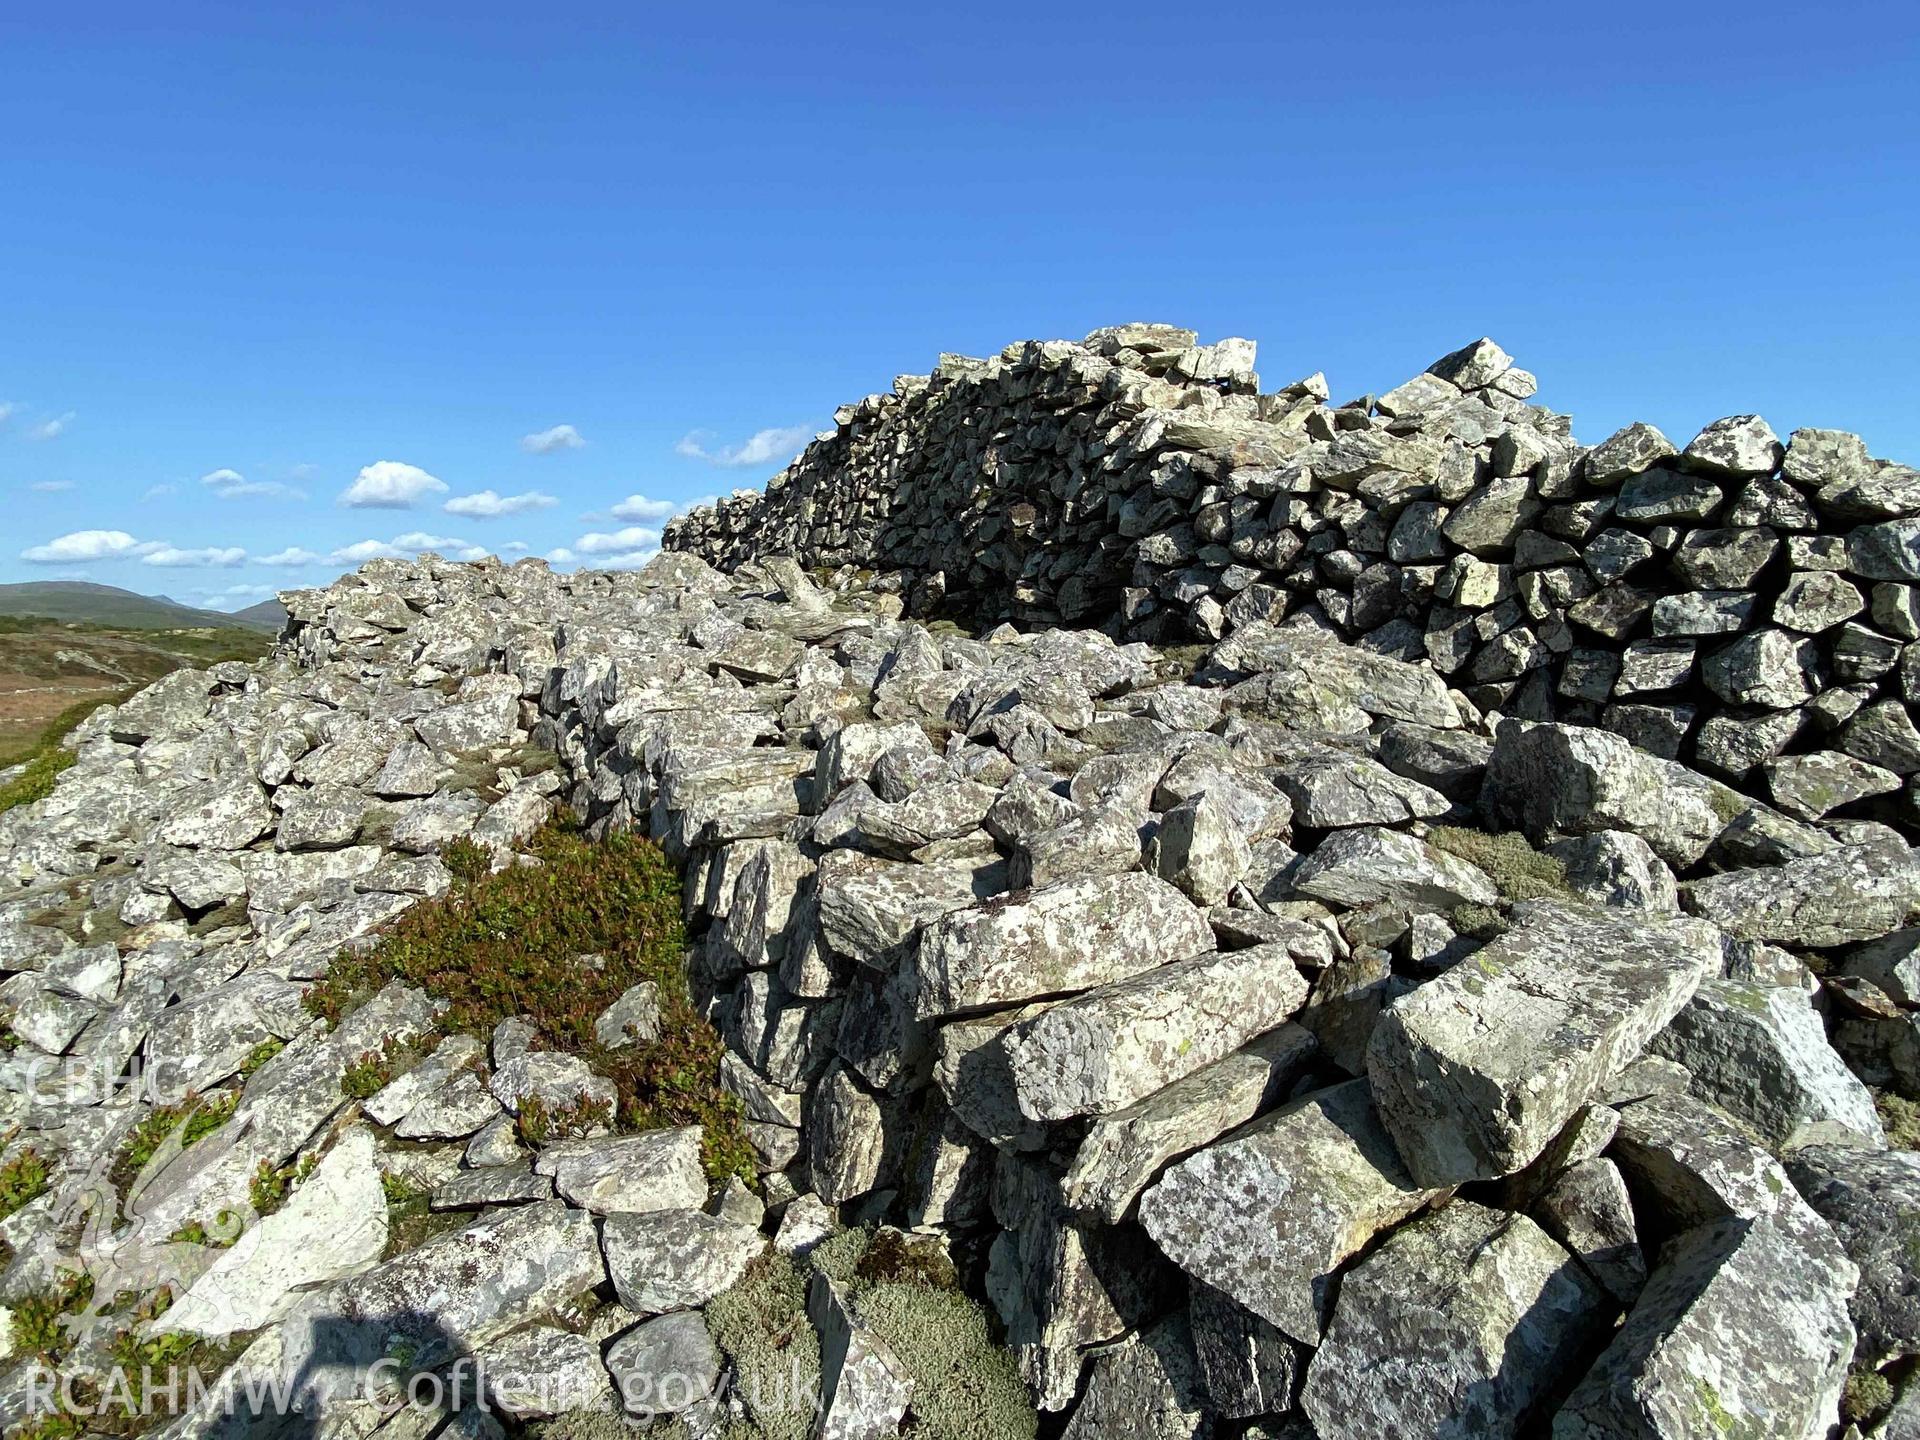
x,y
1475,1072
1855,893
1873,1204
1461,1324
1069,937
1360,866
1115,1045
630,1174
1123,1151
1268,1215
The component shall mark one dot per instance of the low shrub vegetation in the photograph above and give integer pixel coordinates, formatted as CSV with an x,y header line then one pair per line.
x,y
1517,870
23,1179
507,943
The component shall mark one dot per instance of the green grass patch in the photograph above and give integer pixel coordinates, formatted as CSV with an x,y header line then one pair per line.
x,y
23,1179
36,781
1900,1118
499,945
193,1117
1517,870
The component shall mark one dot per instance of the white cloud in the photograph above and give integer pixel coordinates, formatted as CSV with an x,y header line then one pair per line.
x,y
485,504
633,537
760,448
160,492
405,547
237,592
631,560
515,547
293,555
52,429
232,485
86,545
552,441
639,507
391,485
175,557
7,408
51,487
561,555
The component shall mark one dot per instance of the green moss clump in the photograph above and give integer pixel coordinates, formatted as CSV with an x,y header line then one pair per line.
x,y
23,1179
506,944
1868,1396
1900,1117
965,1386
1517,870
193,1117
761,1325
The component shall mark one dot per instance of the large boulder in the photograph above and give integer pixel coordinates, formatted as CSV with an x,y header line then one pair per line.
x,y
1460,1325
1268,1215
1475,1072
1740,1331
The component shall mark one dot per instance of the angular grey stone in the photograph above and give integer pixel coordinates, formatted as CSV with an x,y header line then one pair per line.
x,y
560,1083
1808,786
544,1370
1473,367
1104,841
665,1366
489,1186
1268,1215
1739,444
629,1174
1887,551
1247,1367
1588,1210
1872,1201
1816,600
1740,1330
1200,848
451,1111
1553,780
1663,495
1625,453
1333,788
1068,937
1884,734
864,1387
1475,1072
1892,963
633,1019
1729,559
1458,1326
219,815
1845,896
1147,1387
1614,867
1703,612
664,1260
1114,1046
852,1141
1760,1052
868,906
1361,866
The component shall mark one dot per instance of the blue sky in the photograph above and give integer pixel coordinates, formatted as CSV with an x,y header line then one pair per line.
x,y
320,252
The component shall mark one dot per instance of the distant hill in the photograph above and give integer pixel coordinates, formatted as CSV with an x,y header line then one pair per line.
x,y
110,605
267,615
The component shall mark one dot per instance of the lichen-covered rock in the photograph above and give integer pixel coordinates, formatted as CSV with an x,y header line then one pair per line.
x,y
1459,1325
1147,1387
1873,1203
664,1260
1105,1050
1476,1071
1740,1331
1760,1052
1360,866
1843,897
1268,1215
1071,937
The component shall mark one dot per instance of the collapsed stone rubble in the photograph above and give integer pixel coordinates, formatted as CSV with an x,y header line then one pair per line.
x,y
1430,1005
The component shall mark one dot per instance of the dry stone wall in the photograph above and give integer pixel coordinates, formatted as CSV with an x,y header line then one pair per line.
x,y
1744,604
1276,1038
